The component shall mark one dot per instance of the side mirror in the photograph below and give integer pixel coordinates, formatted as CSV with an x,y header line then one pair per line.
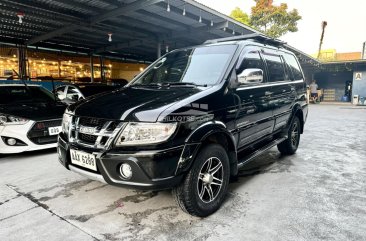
x,y
250,76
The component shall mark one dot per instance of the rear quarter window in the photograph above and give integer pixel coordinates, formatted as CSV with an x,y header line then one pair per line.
x,y
294,66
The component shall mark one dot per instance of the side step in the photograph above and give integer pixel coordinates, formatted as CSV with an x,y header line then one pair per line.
x,y
260,151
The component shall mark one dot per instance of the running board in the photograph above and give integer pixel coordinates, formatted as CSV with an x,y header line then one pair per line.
x,y
260,151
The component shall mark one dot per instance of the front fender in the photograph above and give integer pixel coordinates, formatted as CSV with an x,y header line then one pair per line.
x,y
298,110
199,135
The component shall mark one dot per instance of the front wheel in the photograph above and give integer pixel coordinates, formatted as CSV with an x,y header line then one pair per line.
x,y
205,186
290,145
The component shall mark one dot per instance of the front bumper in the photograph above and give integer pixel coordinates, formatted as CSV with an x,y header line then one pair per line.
x,y
19,132
152,170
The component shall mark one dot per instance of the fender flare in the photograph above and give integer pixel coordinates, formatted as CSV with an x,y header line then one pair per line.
x,y
297,108
201,134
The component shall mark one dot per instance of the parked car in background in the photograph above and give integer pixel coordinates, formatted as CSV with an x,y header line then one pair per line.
x,y
71,93
190,120
30,118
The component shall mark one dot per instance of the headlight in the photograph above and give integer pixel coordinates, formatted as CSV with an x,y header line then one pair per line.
x,y
66,122
12,120
145,133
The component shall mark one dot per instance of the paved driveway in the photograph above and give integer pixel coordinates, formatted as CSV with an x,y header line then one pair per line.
x,y
317,194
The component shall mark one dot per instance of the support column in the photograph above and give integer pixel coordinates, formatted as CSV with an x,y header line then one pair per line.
x,y
28,70
159,50
59,68
91,69
22,65
101,68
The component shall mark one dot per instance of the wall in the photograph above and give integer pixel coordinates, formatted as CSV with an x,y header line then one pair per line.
x,y
348,56
359,86
328,55
334,80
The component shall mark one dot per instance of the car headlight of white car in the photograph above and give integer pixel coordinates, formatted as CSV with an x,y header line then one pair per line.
x,y
12,120
136,133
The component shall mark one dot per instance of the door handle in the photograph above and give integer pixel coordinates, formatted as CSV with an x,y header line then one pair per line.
x,y
268,93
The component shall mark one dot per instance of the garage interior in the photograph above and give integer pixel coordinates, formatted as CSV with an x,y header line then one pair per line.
x,y
100,40
317,194
342,81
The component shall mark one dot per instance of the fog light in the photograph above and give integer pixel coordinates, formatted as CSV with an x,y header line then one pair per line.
x,y
59,152
126,171
11,141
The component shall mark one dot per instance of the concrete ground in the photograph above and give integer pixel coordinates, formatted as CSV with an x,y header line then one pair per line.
x,y
317,194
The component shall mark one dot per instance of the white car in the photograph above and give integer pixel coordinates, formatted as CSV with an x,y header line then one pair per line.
x,y
30,118
71,93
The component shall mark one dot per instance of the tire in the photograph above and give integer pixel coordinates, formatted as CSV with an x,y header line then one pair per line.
x,y
290,145
200,193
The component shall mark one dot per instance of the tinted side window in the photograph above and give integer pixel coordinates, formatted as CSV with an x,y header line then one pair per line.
x,y
252,60
60,89
294,66
276,71
72,90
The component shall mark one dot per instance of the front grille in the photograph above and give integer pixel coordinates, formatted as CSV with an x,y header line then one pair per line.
x,y
112,126
39,134
90,139
43,140
92,122
103,134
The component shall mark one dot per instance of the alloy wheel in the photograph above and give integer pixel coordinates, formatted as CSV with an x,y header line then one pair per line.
x,y
294,134
210,179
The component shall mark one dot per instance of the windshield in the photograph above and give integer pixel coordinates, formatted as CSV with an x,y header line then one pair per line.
x,y
199,66
19,94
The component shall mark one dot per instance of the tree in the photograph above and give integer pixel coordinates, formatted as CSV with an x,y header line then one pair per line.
x,y
240,16
274,21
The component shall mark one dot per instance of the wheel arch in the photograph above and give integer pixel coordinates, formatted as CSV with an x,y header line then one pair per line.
x,y
298,112
212,133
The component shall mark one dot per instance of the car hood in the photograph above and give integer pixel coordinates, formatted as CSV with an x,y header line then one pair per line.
x,y
132,103
34,111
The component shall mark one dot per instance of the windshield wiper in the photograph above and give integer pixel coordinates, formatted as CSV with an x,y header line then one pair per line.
x,y
169,84
182,84
147,85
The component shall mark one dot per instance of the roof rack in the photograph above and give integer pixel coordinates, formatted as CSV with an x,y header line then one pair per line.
x,y
255,36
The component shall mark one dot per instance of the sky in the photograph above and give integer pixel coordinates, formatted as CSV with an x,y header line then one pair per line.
x,y
346,30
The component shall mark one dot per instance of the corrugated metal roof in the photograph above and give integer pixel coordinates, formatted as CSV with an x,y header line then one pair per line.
x,y
84,24
137,26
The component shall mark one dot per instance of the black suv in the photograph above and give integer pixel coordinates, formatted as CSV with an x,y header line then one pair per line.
x,y
190,120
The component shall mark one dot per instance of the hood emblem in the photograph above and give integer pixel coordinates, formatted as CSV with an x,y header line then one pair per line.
x,y
87,130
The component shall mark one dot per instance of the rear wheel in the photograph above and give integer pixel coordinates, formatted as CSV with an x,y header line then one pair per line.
x,y
290,145
205,186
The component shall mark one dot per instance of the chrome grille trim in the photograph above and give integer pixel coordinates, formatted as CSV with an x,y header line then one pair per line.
x,y
100,134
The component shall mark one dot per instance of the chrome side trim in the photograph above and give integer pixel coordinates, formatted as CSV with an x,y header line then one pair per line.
x,y
270,84
90,175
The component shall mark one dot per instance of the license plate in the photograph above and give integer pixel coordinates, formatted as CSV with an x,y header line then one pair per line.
x,y
83,159
54,130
